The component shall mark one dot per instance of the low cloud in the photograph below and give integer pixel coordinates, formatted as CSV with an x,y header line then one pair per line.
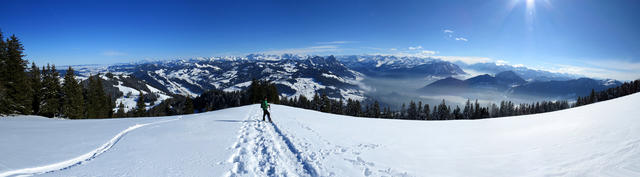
x,y
447,31
415,48
464,59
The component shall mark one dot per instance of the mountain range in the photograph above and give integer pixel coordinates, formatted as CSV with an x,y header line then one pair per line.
x,y
339,77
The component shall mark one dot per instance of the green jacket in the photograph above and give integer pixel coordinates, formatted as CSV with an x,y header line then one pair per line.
x,y
264,105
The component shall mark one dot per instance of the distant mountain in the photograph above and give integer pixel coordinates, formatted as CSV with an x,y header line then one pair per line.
x,y
500,82
294,75
569,88
511,84
393,66
524,72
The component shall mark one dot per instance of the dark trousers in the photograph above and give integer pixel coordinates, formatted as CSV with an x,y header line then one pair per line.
x,y
266,113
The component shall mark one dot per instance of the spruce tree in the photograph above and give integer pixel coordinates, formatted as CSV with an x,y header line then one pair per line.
x,y
97,106
412,111
121,111
51,93
73,106
140,110
376,109
188,105
36,88
13,77
4,100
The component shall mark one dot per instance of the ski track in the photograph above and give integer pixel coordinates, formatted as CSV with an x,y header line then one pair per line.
x,y
80,159
262,149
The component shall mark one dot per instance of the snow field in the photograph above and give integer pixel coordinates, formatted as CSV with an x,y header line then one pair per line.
x,y
601,139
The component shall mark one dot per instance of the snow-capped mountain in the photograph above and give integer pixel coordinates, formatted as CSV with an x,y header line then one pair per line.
x,y
294,75
394,66
524,72
511,84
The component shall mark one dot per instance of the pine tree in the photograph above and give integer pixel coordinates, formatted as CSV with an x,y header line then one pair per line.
x,y
121,112
403,111
325,103
73,106
467,112
376,109
188,105
4,97
51,93
457,113
412,111
13,77
427,112
140,110
36,89
97,106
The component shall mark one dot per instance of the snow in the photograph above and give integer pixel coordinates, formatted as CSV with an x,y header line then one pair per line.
x,y
303,86
601,139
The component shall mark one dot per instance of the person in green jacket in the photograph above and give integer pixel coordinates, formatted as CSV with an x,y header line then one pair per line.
x,y
265,112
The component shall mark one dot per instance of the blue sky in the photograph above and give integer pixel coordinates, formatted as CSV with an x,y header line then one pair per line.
x,y
590,37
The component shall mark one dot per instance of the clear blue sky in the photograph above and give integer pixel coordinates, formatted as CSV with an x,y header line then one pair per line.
x,y
593,37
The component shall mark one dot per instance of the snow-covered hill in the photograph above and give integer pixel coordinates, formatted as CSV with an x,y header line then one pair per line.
x,y
601,139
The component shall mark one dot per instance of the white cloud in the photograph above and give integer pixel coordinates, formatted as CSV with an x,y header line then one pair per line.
x,y
393,49
464,59
461,39
415,48
336,42
429,52
112,53
501,62
447,31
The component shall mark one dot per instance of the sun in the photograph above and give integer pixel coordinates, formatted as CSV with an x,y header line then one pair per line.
x,y
531,6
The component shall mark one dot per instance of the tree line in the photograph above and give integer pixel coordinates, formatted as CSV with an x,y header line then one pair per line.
x,y
442,111
625,89
38,91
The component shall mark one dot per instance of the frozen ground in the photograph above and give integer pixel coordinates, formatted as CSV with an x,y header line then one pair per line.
x,y
601,139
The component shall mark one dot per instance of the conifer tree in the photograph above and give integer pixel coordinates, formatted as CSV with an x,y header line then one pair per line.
x,y
73,106
97,107
427,112
376,109
140,106
4,97
325,103
121,112
36,88
51,93
13,77
412,111
188,105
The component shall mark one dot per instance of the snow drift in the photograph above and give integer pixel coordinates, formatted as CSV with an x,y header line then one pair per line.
x,y
601,139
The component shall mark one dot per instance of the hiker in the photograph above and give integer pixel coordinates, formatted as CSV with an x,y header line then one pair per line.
x,y
264,107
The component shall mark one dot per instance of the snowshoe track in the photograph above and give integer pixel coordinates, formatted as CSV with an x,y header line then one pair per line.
x,y
77,160
262,149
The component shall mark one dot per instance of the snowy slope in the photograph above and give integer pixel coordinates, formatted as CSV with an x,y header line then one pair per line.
x,y
601,139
